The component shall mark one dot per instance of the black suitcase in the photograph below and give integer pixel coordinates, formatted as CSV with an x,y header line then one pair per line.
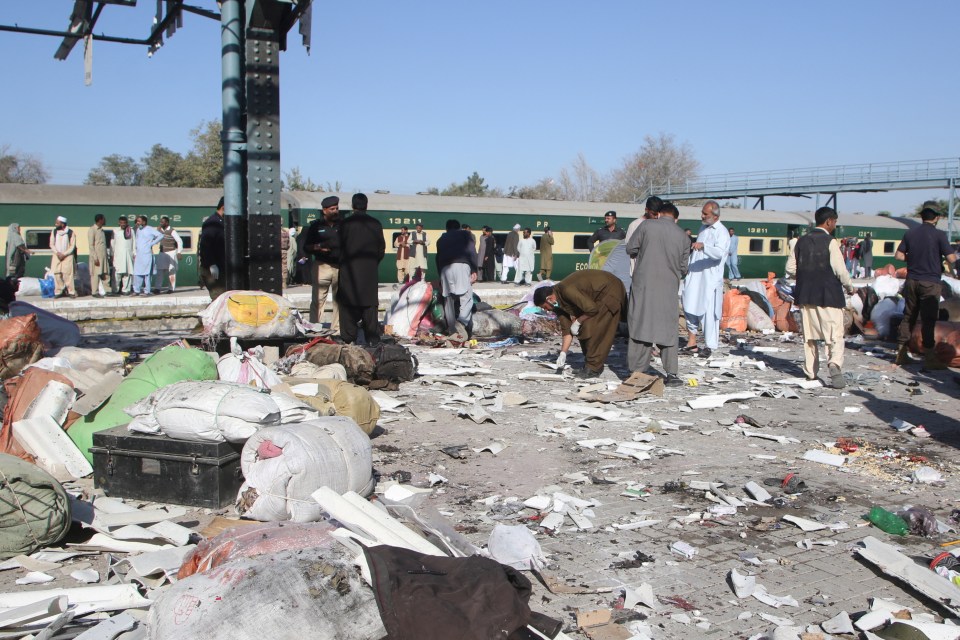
x,y
157,468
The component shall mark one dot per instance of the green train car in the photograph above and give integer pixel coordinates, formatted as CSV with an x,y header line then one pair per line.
x,y
763,235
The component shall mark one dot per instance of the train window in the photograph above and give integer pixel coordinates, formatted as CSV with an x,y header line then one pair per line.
x,y
889,247
536,240
581,243
187,238
501,239
37,239
776,246
756,245
108,234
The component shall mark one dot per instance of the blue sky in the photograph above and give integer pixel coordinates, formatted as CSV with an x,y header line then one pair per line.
x,y
408,95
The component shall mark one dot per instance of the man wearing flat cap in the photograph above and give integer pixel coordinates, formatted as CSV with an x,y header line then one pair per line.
x,y
63,262
609,230
322,242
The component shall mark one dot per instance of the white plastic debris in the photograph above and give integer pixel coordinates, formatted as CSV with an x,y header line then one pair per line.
x,y
684,549
515,546
804,523
926,475
832,459
743,585
840,623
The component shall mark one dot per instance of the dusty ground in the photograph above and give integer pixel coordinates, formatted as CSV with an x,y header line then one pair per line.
x,y
541,449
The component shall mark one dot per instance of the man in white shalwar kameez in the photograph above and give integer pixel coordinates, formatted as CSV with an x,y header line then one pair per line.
x,y
122,247
703,287
528,249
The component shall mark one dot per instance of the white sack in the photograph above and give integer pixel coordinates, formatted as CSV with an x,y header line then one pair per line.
x,y
758,319
326,452
205,411
886,287
103,360
29,287
246,367
276,318
406,313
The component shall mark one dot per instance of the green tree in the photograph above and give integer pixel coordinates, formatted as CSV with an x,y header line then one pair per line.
x,y
117,170
203,165
939,204
294,181
21,167
659,162
162,166
473,186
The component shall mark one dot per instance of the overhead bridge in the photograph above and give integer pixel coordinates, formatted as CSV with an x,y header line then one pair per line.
x,y
940,173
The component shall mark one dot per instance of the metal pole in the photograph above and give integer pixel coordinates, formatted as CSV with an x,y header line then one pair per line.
x,y
950,207
234,139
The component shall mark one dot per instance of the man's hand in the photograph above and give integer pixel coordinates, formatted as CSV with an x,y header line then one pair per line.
x,y
562,359
575,328
215,272
697,246
96,262
473,278
850,289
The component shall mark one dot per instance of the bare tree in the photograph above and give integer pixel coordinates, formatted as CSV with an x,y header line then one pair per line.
x,y
581,182
16,166
660,161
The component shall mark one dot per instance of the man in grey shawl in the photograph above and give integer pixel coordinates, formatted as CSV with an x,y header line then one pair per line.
x,y
661,249
17,252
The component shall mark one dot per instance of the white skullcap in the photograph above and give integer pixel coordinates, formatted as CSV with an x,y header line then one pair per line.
x,y
61,219
516,227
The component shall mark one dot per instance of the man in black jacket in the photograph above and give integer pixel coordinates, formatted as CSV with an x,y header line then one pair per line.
x,y
361,249
213,254
457,264
822,278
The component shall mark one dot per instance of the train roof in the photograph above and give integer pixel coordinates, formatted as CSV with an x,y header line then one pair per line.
x,y
94,195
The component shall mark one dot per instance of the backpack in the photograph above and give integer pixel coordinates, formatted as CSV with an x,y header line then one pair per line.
x,y
357,362
393,362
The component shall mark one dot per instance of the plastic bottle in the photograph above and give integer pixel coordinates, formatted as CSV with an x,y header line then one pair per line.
x,y
889,522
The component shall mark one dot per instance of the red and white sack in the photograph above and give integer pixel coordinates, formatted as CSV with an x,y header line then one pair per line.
x,y
282,466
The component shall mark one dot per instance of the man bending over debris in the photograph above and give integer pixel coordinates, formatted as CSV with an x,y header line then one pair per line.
x,y
588,305
821,279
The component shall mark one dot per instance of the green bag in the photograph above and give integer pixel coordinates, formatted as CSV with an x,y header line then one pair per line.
x,y
171,364
34,508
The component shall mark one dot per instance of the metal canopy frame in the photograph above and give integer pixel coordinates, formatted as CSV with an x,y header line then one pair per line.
x,y
253,32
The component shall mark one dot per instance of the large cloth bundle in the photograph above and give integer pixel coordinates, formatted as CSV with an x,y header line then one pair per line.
x,y
882,315
250,314
34,508
393,362
19,344
735,306
336,398
55,331
408,309
171,364
946,336
355,359
284,465
289,594
211,411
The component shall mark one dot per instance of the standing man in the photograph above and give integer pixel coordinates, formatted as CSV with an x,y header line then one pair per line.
x,y
661,250
527,248
322,241
651,211
733,260
99,269
418,251
457,264
511,254
487,258
143,263
923,248
63,262
402,245
123,246
609,230
361,249
821,280
703,291
866,254
546,254
588,305
291,256
212,251
168,260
